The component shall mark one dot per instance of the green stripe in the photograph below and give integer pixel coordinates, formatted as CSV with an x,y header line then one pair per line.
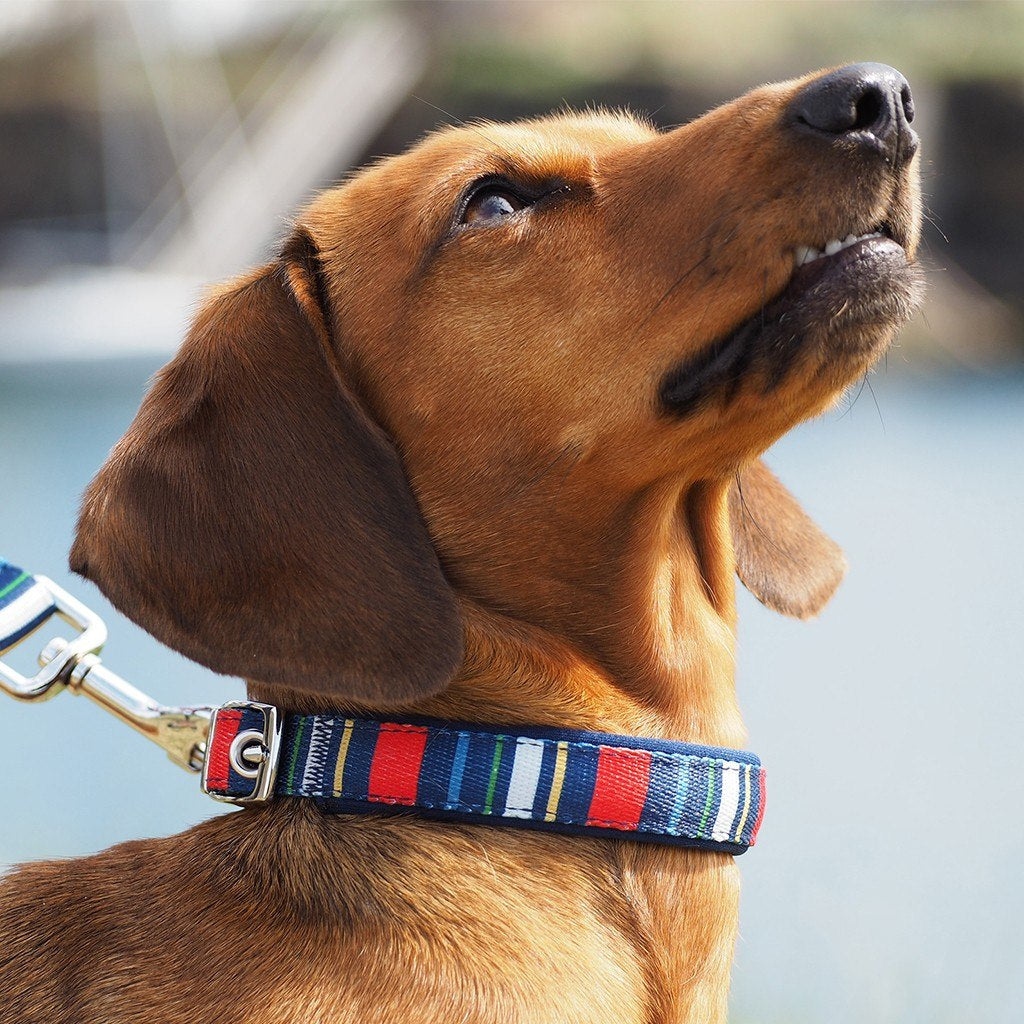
x,y
15,583
707,802
494,775
295,752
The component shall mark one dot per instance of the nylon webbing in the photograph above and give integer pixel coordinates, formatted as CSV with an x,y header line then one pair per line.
x,y
559,780
24,604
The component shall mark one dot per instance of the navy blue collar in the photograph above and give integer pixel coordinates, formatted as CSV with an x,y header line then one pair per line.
x,y
557,780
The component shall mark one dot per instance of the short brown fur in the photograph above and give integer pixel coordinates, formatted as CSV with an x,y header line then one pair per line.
x,y
413,465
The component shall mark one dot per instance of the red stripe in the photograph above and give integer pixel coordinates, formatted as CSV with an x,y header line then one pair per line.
x,y
395,768
225,729
620,788
760,807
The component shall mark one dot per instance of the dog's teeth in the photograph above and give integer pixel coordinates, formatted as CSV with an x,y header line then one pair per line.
x,y
807,253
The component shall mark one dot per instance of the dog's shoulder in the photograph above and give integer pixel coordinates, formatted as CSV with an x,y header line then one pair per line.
x,y
207,919
76,934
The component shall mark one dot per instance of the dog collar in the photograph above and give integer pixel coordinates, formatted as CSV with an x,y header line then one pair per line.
x,y
556,780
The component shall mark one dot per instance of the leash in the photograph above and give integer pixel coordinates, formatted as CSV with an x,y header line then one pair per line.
x,y
558,780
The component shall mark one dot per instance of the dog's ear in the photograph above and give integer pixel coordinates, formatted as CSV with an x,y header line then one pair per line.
x,y
782,556
256,520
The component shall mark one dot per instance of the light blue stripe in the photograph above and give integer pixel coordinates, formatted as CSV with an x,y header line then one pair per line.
x,y
458,767
682,785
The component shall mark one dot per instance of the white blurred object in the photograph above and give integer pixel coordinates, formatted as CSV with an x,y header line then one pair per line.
x,y
95,314
307,113
319,115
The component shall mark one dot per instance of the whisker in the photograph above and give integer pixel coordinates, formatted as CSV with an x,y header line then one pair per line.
x,y
576,454
860,391
878,408
453,120
747,514
935,224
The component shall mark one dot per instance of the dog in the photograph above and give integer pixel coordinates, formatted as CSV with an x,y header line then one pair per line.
x,y
482,444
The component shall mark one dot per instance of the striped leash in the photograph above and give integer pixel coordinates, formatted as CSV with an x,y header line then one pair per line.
x,y
558,780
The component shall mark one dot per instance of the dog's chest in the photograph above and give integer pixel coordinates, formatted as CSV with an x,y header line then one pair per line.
x,y
532,930
685,907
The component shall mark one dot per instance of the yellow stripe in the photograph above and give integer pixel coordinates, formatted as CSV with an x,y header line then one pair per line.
x,y
339,768
746,803
561,756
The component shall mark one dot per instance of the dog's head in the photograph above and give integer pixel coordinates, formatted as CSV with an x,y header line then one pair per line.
x,y
471,353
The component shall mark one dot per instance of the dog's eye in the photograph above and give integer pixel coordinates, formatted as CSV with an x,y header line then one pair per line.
x,y
491,204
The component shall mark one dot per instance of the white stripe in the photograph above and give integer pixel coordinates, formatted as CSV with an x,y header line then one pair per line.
x,y
313,773
23,609
522,787
721,831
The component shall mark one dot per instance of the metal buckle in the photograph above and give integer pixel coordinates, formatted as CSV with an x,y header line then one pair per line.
x,y
179,731
252,754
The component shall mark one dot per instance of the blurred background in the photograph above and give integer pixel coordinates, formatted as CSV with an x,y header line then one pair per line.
x,y
149,148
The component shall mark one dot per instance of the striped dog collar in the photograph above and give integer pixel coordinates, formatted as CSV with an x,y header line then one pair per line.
x,y
555,780
580,783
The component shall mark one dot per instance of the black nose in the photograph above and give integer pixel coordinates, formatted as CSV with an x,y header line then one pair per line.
x,y
867,104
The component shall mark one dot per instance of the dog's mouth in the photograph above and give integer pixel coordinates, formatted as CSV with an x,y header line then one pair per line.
x,y
838,311
805,254
851,265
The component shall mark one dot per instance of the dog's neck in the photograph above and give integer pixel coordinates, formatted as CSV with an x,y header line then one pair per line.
x,y
624,622
630,629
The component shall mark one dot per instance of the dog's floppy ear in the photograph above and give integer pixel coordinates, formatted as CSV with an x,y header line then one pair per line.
x,y
782,556
256,520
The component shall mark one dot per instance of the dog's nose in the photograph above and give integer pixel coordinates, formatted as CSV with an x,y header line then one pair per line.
x,y
869,105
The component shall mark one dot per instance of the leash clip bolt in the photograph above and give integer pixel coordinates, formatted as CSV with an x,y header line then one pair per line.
x,y
50,679
179,731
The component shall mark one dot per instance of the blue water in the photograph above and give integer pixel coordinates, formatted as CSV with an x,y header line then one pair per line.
x,y
886,886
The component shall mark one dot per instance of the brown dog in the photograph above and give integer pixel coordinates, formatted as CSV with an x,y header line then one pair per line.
x,y
470,448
